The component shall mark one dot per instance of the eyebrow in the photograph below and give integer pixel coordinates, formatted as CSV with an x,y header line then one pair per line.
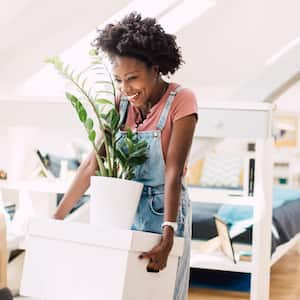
x,y
129,73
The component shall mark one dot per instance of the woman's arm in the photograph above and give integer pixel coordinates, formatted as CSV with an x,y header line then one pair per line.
x,y
178,150
179,147
78,187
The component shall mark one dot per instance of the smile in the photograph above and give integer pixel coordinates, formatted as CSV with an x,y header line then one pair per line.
x,y
132,96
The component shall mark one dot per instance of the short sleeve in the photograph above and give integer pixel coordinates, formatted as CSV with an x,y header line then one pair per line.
x,y
185,104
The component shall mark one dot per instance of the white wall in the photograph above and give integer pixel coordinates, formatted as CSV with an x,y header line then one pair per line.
x,y
57,126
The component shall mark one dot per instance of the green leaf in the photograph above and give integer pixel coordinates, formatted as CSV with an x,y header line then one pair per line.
x,y
93,52
115,120
122,156
92,135
83,83
82,115
103,101
78,76
66,69
108,116
129,133
72,99
135,161
129,144
71,74
108,135
56,61
89,124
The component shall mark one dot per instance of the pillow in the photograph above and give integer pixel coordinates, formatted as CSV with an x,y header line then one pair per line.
x,y
194,172
222,170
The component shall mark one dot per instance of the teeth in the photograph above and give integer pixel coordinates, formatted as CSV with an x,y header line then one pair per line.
x,y
130,97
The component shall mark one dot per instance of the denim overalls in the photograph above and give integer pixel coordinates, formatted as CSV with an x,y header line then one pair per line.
x,y
150,211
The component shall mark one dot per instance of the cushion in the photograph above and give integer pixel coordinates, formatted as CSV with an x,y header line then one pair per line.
x,y
222,170
194,172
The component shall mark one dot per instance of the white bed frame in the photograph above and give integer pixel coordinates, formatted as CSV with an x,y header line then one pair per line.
x,y
249,121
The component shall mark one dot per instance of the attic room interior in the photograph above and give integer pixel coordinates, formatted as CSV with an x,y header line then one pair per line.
x,y
191,108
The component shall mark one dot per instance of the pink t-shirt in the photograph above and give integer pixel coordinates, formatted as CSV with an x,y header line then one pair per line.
x,y
184,104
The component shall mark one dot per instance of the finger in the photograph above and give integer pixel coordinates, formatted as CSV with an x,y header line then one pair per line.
x,y
143,255
149,253
151,270
158,264
152,267
146,255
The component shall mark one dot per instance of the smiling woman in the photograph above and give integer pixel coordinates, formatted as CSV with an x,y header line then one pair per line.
x,y
165,115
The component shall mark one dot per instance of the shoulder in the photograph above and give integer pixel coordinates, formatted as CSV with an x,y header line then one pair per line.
x,y
185,103
183,94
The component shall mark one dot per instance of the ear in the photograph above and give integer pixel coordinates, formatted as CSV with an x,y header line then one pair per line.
x,y
155,70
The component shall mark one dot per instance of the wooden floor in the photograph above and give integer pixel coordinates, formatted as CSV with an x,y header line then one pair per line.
x,y
285,283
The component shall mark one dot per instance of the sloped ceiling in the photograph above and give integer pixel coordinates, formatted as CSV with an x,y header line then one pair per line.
x,y
229,45
225,48
32,29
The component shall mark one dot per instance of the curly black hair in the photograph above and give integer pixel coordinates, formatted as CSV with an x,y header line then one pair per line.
x,y
143,39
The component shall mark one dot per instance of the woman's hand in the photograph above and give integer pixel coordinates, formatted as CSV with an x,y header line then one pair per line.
x,y
158,255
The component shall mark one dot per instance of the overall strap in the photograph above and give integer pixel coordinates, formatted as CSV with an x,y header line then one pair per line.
x,y
164,115
123,110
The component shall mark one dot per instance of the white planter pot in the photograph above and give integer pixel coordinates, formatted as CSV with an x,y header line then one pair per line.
x,y
113,202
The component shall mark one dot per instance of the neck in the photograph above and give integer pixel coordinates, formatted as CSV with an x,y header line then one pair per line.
x,y
160,90
145,110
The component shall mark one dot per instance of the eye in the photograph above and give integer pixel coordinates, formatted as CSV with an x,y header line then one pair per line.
x,y
117,80
132,78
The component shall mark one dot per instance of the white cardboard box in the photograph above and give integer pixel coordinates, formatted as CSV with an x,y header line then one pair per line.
x,y
70,261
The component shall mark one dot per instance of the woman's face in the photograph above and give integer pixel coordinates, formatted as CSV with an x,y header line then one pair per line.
x,y
135,79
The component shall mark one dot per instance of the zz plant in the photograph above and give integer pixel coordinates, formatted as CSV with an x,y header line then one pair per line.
x,y
122,155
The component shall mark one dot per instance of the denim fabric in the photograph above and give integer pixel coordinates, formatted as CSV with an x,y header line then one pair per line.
x,y
150,211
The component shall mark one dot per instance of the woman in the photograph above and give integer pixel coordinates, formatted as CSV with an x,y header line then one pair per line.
x,y
165,115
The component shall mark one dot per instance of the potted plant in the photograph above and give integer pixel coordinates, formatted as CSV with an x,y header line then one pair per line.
x,y
113,192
